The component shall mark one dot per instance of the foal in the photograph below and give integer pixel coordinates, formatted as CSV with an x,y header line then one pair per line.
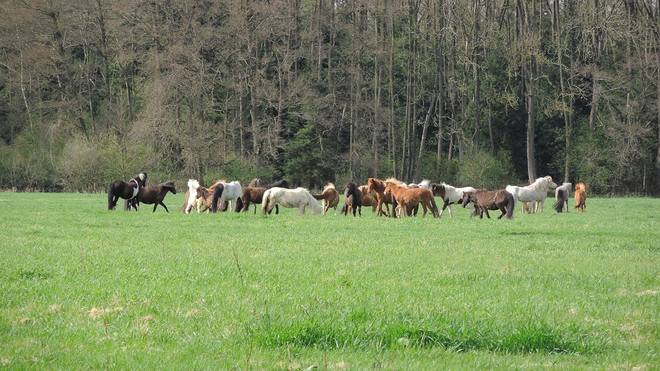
x,y
580,197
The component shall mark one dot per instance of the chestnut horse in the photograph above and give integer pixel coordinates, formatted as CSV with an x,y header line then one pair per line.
x,y
580,197
330,198
408,198
155,195
486,200
378,186
131,190
369,197
352,199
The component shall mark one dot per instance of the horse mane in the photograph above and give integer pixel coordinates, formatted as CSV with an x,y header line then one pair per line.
x,y
256,182
280,183
212,188
193,183
394,181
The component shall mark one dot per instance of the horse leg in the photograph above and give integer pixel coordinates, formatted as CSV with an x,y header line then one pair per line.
x,y
155,206
162,204
301,210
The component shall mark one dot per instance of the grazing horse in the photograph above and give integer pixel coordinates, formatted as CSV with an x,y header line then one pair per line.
x,y
290,198
330,198
486,200
155,195
352,199
230,192
378,186
131,190
580,197
451,195
562,194
408,198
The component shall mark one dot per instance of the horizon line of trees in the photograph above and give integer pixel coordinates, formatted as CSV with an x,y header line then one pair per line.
x,y
469,92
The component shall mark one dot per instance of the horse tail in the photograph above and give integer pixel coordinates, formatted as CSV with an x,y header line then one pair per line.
x,y
239,205
322,196
217,193
111,191
559,203
264,201
511,206
436,212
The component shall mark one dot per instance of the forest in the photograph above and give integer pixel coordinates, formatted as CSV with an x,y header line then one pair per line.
x,y
467,92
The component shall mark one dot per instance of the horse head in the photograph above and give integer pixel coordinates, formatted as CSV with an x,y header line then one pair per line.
x,y
438,190
550,183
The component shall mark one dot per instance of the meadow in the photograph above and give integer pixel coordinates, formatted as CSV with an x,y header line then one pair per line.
x,y
85,288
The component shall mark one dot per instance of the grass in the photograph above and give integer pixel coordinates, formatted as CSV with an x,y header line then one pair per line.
x,y
84,288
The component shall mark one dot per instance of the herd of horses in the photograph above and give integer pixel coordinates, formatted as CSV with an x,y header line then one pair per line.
x,y
404,199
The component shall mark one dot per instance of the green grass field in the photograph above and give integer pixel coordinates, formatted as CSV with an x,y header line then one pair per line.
x,y
84,288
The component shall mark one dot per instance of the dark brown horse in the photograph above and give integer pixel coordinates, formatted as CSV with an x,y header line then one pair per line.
x,y
485,200
131,190
155,195
253,194
352,199
378,186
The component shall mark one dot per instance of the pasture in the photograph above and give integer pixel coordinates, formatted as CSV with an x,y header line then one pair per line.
x,y
87,288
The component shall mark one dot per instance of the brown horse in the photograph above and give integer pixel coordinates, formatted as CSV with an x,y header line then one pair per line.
x,y
131,190
408,198
485,200
155,195
369,198
330,198
204,200
352,199
378,186
580,197
210,189
254,193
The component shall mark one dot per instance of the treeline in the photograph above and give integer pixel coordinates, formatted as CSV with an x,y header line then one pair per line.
x,y
470,92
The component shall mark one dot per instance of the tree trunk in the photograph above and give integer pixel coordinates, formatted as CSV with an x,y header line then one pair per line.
x,y
420,157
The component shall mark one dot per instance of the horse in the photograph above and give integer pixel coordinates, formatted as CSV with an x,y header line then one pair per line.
x,y
378,186
369,198
155,195
352,199
526,196
131,190
562,194
580,197
541,186
408,198
230,192
188,198
330,198
491,200
290,198
451,195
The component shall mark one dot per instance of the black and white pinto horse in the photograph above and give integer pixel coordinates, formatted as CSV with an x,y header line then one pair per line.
x,y
131,190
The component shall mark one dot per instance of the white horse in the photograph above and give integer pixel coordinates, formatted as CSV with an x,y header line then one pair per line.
x,y
231,192
425,184
291,198
451,195
541,186
192,194
524,194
